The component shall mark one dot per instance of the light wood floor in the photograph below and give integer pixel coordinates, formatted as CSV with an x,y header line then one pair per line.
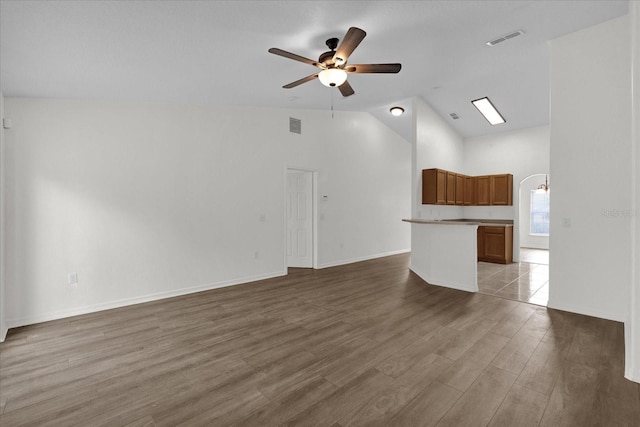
x,y
367,343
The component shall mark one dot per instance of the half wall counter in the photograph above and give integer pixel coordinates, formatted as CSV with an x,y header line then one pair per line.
x,y
445,252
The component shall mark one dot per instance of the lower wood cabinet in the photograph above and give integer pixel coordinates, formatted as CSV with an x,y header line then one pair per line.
x,y
495,244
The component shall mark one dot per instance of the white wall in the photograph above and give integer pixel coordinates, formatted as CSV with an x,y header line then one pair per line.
x,y
528,185
436,145
590,260
522,153
632,326
3,325
147,200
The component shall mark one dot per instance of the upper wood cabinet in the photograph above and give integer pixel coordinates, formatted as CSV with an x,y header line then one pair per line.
x,y
441,187
460,189
482,190
451,188
434,187
469,190
501,189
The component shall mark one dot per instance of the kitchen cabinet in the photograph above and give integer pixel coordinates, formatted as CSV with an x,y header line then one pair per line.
x,y
482,190
434,187
442,187
451,188
469,190
460,179
495,244
501,190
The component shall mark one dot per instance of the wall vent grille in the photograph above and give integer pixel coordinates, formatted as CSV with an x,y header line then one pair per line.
x,y
505,37
295,125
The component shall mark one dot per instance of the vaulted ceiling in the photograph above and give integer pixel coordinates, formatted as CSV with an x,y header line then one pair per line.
x,y
215,52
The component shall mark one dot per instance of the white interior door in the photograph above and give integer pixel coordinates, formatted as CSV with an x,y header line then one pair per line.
x,y
299,219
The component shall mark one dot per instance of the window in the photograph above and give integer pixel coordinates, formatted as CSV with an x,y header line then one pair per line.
x,y
539,224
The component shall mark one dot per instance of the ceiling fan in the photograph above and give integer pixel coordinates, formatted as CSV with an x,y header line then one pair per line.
x,y
333,63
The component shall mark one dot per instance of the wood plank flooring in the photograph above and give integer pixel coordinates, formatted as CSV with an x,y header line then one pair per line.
x,y
363,344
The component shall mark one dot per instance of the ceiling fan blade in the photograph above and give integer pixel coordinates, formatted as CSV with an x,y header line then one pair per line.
x,y
350,41
293,56
346,89
373,68
302,80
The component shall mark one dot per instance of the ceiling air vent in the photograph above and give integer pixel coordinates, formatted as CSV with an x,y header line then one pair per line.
x,y
505,38
454,116
295,125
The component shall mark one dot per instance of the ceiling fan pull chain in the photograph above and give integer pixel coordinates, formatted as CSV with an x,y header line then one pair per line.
x,y
331,104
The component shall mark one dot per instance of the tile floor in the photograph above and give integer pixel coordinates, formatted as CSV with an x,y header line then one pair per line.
x,y
522,281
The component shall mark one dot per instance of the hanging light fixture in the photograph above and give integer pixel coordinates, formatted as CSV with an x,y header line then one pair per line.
x,y
544,187
332,77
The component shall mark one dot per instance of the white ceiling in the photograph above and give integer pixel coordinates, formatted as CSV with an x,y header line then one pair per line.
x,y
215,52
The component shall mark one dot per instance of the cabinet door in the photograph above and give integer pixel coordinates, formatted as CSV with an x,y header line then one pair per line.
x,y
494,244
481,243
501,189
482,190
441,187
469,190
460,189
451,188
434,185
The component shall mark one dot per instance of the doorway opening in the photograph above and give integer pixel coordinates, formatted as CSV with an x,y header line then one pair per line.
x,y
527,279
300,218
533,216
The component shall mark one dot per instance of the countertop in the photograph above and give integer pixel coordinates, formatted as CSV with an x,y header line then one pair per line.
x,y
464,221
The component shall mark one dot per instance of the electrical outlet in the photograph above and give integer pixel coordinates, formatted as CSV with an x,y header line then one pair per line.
x,y
72,278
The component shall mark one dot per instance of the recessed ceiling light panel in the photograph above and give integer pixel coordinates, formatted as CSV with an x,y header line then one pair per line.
x,y
489,112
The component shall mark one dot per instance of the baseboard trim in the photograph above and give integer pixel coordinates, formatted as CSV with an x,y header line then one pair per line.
x,y
364,258
62,314
587,311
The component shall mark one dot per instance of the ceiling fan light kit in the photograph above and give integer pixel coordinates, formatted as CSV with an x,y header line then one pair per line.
x,y
332,77
333,63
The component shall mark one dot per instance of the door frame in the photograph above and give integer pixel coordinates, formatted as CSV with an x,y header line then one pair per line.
x,y
520,198
314,214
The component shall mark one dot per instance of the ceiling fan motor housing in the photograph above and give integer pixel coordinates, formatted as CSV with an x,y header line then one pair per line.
x,y
332,44
326,56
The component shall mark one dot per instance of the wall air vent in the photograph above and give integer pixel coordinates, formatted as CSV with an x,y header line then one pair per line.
x,y
454,116
295,125
505,38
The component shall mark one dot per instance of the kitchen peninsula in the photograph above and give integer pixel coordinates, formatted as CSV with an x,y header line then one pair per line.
x,y
446,252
